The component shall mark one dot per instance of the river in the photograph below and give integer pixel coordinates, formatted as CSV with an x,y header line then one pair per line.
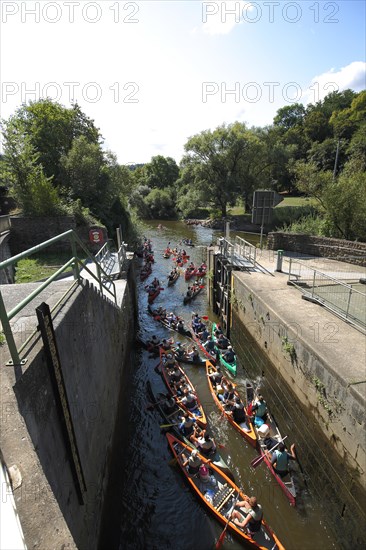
x,y
158,510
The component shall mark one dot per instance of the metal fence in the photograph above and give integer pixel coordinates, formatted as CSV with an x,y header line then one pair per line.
x,y
345,300
241,253
103,279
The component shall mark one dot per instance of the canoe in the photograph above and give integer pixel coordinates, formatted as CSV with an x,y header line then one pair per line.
x,y
174,279
268,440
218,495
154,348
231,367
153,295
198,413
144,273
188,360
246,429
189,273
188,299
159,401
165,323
207,354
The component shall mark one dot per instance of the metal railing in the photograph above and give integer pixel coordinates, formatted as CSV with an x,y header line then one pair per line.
x,y
342,299
102,278
246,250
239,251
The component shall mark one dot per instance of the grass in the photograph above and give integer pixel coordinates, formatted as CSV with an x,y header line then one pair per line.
x,y
236,210
297,201
40,266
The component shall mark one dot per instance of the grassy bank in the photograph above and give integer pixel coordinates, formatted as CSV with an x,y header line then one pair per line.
x,y
40,266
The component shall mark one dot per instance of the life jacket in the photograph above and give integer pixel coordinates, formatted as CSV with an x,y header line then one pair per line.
x,y
281,460
256,521
239,414
261,409
210,345
191,402
187,427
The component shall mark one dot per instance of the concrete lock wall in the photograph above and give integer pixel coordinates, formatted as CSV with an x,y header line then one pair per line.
x,y
94,340
345,251
315,407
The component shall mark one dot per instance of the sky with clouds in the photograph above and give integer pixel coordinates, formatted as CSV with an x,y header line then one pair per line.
x,y
153,73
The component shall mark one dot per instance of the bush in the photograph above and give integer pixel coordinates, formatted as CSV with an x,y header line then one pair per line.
x,y
309,225
286,215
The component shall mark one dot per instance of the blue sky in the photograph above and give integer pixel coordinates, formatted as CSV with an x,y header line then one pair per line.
x,y
151,74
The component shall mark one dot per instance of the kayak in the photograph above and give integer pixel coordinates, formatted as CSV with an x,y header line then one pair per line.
x,y
210,356
144,273
218,493
269,435
231,367
174,278
172,326
198,413
246,429
172,419
187,299
153,295
189,361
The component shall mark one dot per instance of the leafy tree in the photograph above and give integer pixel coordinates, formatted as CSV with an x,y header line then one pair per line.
x,y
51,129
21,171
219,164
345,202
323,154
160,204
316,127
161,172
289,116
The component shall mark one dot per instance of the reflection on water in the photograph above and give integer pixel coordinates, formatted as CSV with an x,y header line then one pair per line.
x,y
159,511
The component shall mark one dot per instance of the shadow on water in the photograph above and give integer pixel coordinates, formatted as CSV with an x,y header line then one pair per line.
x,y
158,510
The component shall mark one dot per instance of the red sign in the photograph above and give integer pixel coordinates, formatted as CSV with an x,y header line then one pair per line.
x,y
96,236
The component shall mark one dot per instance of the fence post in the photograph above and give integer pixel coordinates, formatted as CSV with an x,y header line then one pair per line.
x,y
75,267
312,291
349,301
9,334
99,278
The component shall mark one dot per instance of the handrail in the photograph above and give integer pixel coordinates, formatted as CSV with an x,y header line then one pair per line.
x,y
332,302
74,261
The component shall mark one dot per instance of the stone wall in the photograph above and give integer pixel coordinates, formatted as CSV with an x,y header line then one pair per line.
x,y
28,232
94,339
344,251
321,411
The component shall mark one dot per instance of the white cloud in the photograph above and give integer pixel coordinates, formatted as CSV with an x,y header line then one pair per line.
x,y
223,17
352,76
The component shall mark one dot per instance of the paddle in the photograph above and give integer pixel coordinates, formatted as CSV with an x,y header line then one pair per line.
x,y
223,534
169,425
258,459
175,459
149,406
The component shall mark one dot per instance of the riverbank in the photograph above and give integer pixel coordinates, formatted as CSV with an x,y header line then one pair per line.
x,y
238,223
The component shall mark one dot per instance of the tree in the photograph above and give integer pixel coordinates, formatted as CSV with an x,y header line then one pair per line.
x,y
51,129
160,204
161,172
316,127
24,176
289,116
219,164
